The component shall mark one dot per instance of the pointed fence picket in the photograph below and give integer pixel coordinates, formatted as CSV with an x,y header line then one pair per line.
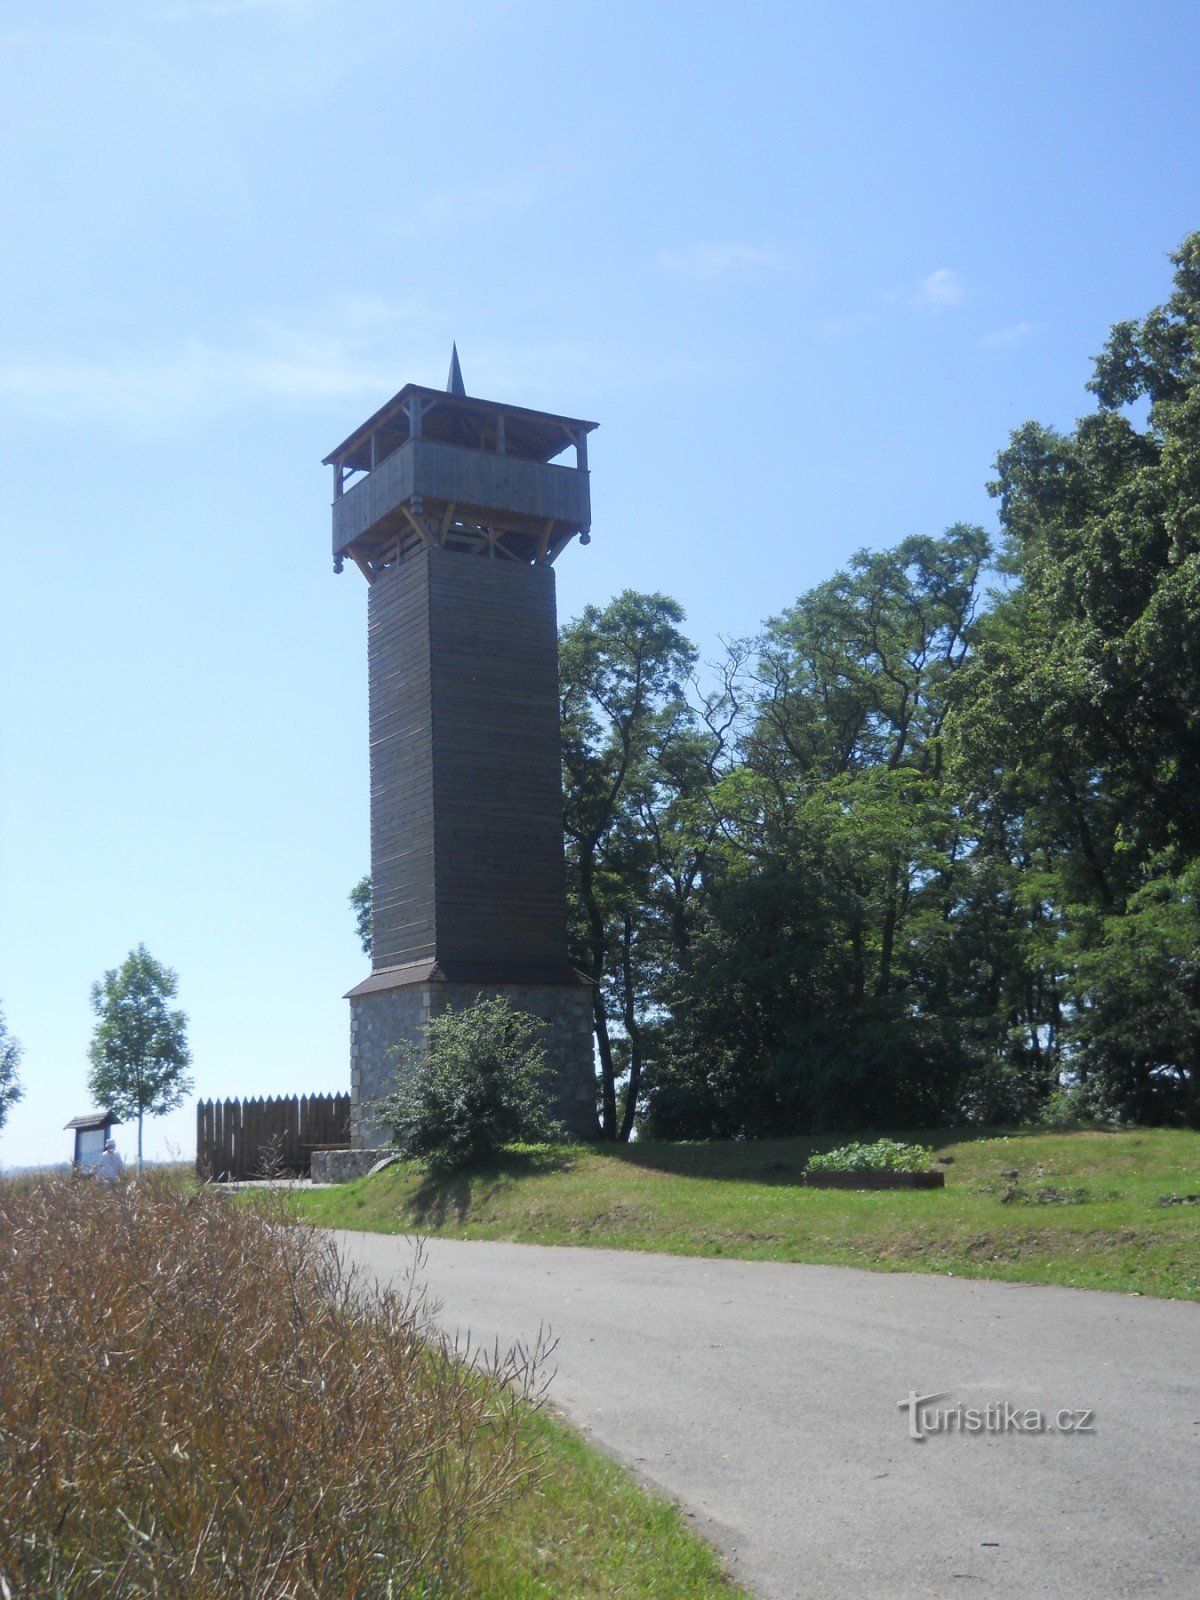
x,y
241,1139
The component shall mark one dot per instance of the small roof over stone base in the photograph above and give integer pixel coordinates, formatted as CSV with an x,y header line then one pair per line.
x,y
482,973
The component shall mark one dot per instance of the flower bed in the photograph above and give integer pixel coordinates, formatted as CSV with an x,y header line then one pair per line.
x,y
886,1164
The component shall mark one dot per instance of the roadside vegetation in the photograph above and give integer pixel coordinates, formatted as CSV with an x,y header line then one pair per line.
x,y
588,1531
195,1399
1088,1209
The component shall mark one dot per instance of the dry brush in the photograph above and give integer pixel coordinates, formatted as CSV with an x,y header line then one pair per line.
x,y
196,1400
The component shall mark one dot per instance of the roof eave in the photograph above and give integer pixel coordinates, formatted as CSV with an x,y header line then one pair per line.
x,y
462,402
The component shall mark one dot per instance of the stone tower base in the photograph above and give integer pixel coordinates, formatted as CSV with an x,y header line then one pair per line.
x,y
394,1006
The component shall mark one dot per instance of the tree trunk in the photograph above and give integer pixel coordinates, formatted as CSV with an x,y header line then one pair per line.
x,y
596,941
887,943
608,1082
634,1035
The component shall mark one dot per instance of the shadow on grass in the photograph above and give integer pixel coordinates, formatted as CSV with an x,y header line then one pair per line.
x,y
445,1198
781,1161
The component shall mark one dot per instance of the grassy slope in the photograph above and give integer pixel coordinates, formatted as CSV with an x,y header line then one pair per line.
x,y
589,1531
1097,1225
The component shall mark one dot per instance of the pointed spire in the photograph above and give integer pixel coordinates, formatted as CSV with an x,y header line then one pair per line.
x,y
454,383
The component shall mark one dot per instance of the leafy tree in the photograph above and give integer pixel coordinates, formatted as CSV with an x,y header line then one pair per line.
x,y
1137,992
360,902
139,1051
640,763
10,1060
818,990
476,1084
1078,729
621,672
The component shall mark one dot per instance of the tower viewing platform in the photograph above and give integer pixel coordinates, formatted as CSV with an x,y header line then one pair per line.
x,y
439,468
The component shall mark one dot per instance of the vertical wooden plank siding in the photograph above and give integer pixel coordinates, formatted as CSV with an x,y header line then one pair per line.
x,y
234,1136
466,785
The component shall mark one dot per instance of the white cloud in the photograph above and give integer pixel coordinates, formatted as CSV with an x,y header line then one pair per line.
x,y
941,290
455,210
183,10
152,389
479,203
361,349
1005,338
713,263
554,371
851,322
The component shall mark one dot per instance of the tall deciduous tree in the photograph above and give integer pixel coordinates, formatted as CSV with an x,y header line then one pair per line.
x,y
10,1060
139,1050
638,760
811,997
1081,716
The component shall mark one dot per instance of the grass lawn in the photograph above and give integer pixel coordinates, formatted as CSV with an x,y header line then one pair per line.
x,y
1083,1209
590,1532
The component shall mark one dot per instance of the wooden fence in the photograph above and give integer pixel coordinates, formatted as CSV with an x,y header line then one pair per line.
x,y
239,1139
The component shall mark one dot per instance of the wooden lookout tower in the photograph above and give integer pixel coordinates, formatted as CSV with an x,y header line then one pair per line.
x,y
454,510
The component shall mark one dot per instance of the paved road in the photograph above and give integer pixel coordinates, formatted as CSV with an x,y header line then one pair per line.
x,y
764,1397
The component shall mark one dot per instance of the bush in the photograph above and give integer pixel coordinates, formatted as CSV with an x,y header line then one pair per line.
x,y
195,1399
478,1084
999,1092
885,1155
1076,1103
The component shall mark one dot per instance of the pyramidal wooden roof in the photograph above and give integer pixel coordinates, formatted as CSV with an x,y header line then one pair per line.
x,y
534,435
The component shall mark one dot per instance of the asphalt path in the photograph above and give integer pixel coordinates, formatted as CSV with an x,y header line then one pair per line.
x,y
767,1399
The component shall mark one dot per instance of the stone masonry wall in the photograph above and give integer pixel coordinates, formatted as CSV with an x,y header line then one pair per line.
x,y
380,1020
343,1166
377,1023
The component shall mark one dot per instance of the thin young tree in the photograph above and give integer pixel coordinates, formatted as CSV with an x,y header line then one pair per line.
x,y
10,1059
139,1051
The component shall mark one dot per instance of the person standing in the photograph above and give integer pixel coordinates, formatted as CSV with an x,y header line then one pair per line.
x,y
110,1167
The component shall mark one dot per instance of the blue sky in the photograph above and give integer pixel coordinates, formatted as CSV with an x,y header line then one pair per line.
x,y
807,265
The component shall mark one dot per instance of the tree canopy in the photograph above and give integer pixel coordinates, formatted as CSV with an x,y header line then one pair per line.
x,y
948,848
643,750
10,1060
360,904
139,1052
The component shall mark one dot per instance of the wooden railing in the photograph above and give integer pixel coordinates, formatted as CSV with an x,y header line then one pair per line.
x,y
445,472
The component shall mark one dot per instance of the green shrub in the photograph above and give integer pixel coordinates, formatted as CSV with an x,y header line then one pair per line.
x,y
1000,1093
478,1084
1075,1104
885,1155
196,1400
